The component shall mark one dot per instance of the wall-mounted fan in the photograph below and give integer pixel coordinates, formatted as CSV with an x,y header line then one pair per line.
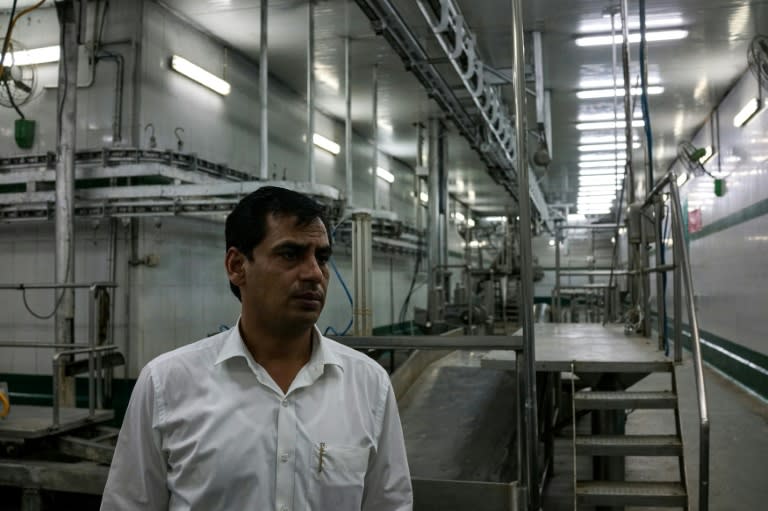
x,y
17,82
690,156
757,57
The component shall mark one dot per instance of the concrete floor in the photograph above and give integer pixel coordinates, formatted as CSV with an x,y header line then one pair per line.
x,y
738,439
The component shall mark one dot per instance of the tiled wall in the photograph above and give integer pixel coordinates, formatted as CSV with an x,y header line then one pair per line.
x,y
185,296
728,255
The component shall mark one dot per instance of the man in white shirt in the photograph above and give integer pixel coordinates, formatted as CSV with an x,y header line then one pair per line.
x,y
269,415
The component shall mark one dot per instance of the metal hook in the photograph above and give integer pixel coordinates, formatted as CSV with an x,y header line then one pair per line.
x,y
180,143
152,139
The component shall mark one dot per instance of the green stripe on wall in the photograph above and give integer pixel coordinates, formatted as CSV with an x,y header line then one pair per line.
x,y
756,210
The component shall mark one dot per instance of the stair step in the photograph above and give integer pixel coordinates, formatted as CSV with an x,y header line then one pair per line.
x,y
629,445
609,493
619,400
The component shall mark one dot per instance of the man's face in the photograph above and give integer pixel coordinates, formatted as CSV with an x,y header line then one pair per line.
x,y
286,282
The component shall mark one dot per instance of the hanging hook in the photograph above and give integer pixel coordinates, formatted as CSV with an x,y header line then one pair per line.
x,y
152,139
180,142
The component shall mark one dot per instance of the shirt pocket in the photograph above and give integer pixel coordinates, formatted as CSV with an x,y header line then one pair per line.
x,y
338,476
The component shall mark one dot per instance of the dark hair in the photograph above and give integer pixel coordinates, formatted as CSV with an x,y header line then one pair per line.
x,y
246,225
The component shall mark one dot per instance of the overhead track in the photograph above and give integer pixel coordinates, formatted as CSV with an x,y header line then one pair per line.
x,y
494,141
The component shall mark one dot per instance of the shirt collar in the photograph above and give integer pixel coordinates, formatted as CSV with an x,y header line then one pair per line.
x,y
322,351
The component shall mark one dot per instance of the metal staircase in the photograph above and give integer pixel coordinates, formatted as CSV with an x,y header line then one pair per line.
x,y
610,447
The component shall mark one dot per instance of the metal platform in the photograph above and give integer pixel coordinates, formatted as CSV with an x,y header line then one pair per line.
x,y
29,422
590,346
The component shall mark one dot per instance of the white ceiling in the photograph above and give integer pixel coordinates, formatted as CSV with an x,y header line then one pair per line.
x,y
695,72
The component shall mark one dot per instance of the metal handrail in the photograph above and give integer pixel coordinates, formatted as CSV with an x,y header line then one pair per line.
x,y
681,255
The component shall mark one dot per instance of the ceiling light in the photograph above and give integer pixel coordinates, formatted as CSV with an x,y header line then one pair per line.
x,y
200,75
608,125
605,116
551,242
326,143
603,83
682,179
470,223
471,195
495,219
424,197
602,156
600,164
605,147
634,37
612,92
633,24
459,184
459,216
603,172
385,175
43,55
753,106
586,138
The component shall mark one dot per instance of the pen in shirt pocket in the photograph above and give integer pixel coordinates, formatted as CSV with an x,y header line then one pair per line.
x,y
320,456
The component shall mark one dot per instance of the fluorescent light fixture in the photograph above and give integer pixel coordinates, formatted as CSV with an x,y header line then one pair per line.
x,y
598,180
551,242
495,219
753,106
326,143
200,75
609,93
604,25
44,55
459,216
708,153
603,156
682,179
587,148
618,171
471,195
385,175
608,192
470,223
608,125
604,83
634,37
586,138
600,164
605,116
424,197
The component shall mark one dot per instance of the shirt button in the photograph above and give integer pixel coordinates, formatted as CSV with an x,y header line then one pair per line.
x,y
285,405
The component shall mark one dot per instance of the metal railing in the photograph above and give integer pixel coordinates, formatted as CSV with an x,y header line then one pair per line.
x,y
682,269
94,351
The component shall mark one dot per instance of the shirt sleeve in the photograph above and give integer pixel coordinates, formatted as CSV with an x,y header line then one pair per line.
x,y
388,479
137,477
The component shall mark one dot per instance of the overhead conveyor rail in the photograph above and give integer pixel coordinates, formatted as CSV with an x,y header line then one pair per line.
x,y
494,150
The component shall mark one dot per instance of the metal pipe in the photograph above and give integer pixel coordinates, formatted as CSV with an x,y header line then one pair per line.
x,y
70,19
347,121
526,259
443,207
375,134
557,313
66,285
645,284
657,189
264,94
661,310
92,341
311,90
361,269
698,364
677,303
627,103
433,219
538,70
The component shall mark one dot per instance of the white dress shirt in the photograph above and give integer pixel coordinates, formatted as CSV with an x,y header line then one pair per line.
x,y
208,429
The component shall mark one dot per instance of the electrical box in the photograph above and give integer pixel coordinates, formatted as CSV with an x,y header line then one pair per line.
x,y
637,221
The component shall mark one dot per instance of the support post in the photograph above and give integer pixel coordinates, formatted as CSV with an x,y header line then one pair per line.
x,y
526,261
661,309
263,91
311,91
362,271
375,135
434,292
69,13
348,122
